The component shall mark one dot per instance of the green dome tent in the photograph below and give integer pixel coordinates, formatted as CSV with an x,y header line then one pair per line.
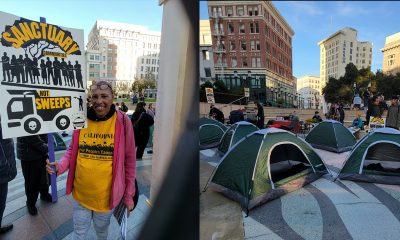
x,y
210,132
375,158
234,133
265,165
332,136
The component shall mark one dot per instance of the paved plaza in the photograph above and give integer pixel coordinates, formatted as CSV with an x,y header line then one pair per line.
x,y
321,210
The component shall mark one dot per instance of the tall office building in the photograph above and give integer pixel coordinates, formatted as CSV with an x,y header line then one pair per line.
x,y
339,49
206,63
391,54
127,52
252,45
309,90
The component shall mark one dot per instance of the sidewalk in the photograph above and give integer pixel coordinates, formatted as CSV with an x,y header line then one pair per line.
x,y
220,217
54,220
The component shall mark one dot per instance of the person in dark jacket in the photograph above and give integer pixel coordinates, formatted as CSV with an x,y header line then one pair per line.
x,y
216,114
8,171
141,122
373,109
33,153
260,115
341,112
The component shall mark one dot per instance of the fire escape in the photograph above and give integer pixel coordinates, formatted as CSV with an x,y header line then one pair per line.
x,y
219,38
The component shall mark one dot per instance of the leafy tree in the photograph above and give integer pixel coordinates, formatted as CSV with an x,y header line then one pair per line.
x,y
140,84
219,86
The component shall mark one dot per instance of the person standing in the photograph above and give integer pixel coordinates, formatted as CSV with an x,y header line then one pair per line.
x,y
101,164
373,109
393,116
6,66
33,152
124,108
341,113
216,114
367,95
8,171
141,122
260,115
152,112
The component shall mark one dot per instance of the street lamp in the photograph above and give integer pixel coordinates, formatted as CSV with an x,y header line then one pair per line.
x,y
235,76
248,79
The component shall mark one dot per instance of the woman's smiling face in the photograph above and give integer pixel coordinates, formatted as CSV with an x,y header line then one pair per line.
x,y
101,99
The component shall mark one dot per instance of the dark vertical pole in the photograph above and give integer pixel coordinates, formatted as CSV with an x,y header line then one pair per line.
x,y
53,178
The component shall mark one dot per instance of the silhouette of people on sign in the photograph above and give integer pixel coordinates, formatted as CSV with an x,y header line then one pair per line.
x,y
57,72
49,70
78,74
80,103
35,70
64,71
71,74
20,67
28,68
6,66
14,69
44,72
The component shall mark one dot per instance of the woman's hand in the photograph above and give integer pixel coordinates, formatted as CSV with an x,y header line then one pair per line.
x,y
129,208
49,167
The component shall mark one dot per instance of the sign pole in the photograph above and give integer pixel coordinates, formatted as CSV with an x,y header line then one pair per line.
x,y
53,178
50,143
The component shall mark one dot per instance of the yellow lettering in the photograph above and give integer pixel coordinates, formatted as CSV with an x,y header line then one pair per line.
x,y
34,28
44,93
51,33
26,31
60,37
38,105
57,103
73,49
45,103
67,102
67,42
52,103
18,34
44,26
16,42
62,102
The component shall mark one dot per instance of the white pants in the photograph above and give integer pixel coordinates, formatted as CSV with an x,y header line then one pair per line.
x,y
82,218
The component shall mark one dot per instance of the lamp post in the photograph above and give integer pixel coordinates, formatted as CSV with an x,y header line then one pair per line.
x,y
235,77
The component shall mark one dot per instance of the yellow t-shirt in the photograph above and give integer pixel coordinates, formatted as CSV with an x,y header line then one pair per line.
x,y
93,172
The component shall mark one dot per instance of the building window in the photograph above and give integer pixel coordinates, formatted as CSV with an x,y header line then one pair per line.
x,y
104,58
363,61
142,60
243,45
91,57
232,46
240,10
97,57
244,62
351,51
231,28
242,28
234,62
253,10
363,49
229,11
208,72
351,44
351,58
254,27
391,60
141,68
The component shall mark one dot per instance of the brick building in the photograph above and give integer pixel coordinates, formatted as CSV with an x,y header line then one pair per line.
x,y
252,45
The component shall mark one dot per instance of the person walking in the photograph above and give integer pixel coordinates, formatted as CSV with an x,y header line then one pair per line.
x,y
33,152
393,116
260,115
101,164
141,122
8,171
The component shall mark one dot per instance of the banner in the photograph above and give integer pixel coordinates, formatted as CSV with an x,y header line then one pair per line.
x,y
43,77
376,122
210,95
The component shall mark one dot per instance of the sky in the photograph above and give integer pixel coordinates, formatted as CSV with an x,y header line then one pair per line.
x,y
313,21
82,14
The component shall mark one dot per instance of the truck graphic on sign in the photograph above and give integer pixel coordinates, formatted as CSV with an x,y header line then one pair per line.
x,y
31,109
